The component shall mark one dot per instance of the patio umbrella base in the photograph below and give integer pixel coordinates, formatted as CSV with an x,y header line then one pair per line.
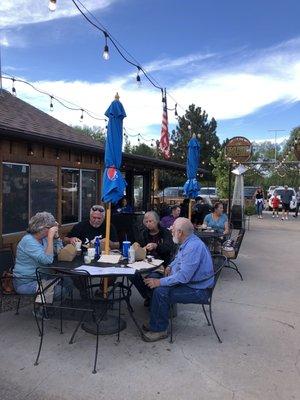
x,y
107,326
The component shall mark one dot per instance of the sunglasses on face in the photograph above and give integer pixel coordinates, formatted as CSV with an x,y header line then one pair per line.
x,y
98,208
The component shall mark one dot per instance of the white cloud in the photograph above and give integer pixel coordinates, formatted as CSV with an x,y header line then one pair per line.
x,y
268,76
18,12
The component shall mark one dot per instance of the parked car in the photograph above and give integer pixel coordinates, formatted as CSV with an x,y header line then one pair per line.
x,y
270,191
249,191
211,192
174,195
279,190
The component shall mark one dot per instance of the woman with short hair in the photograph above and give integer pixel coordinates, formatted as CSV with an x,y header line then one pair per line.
x,y
35,250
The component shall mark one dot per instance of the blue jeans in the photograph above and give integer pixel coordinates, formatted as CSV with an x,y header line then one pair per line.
x,y
30,287
259,207
163,296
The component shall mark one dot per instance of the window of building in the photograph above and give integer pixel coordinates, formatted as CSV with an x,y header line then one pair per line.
x,y
15,187
43,189
70,195
138,190
88,192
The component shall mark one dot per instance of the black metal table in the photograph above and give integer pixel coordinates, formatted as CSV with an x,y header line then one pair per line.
x,y
211,239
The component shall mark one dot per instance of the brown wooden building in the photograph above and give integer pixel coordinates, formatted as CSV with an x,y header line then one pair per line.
x,y
48,166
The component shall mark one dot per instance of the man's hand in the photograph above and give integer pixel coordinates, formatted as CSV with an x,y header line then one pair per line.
x,y
167,271
151,246
152,282
73,240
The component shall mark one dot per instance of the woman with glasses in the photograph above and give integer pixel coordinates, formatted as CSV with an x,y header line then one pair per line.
x,y
85,231
36,250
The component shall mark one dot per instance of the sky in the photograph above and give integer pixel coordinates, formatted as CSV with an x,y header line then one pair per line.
x,y
238,60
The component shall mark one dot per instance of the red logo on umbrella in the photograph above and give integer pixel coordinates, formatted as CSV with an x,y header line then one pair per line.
x,y
112,173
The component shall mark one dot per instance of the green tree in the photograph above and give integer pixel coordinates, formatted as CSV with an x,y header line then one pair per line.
x,y
205,130
220,172
143,149
95,132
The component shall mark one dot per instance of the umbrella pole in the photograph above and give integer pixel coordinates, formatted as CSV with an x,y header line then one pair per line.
x,y
190,209
106,248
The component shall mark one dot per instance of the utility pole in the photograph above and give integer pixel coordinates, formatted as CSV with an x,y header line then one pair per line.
x,y
275,132
0,70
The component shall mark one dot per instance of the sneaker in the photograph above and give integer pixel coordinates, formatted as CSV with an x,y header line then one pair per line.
x,y
273,216
286,218
154,336
277,216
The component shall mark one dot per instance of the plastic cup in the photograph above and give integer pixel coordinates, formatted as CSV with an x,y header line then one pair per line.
x,y
91,252
125,248
87,259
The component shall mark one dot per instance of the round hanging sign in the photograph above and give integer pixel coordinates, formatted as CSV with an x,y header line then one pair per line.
x,y
239,149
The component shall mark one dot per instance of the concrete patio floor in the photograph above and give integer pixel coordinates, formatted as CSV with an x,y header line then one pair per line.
x,y
258,320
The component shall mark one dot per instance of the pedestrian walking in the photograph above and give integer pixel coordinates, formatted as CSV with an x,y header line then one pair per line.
x,y
259,201
286,199
275,205
297,203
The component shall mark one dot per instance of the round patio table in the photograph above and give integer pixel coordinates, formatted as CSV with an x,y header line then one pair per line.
x,y
211,239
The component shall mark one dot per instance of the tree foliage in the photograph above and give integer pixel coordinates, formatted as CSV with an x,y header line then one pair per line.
x,y
95,132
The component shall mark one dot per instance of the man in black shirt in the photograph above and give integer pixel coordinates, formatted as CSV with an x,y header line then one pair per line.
x,y
92,228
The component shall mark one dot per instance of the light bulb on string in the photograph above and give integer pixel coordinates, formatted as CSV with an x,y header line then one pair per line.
x,y
51,103
13,89
207,142
52,5
138,78
81,117
105,53
189,127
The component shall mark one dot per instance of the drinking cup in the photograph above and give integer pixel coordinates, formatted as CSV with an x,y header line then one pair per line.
x,y
125,248
91,252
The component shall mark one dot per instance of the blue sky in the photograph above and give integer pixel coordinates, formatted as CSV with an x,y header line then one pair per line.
x,y
240,61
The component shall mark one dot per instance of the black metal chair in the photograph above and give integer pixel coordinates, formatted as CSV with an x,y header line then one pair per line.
x,y
7,262
219,262
95,307
236,245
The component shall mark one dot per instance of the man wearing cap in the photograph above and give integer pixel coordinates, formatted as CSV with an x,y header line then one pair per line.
x,y
89,229
286,199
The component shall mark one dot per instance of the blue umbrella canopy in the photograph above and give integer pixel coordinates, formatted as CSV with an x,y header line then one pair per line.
x,y
191,187
113,182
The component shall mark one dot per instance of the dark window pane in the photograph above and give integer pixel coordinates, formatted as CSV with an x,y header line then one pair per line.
x,y
43,189
89,192
138,190
15,197
70,195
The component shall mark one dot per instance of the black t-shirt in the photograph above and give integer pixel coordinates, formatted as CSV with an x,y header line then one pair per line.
x,y
84,230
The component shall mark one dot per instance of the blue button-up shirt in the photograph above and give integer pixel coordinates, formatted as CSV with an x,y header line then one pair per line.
x,y
192,263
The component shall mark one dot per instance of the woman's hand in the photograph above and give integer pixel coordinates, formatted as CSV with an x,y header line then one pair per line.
x,y
53,231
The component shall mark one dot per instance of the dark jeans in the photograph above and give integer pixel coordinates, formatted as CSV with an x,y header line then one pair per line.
x,y
138,282
259,207
297,209
163,296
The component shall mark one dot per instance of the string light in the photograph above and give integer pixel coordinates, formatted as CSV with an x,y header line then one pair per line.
x,y
51,103
105,53
13,89
81,117
138,78
52,5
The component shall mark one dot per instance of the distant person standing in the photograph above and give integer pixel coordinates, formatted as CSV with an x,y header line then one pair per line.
x,y
259,201
286,199
297,203
275,205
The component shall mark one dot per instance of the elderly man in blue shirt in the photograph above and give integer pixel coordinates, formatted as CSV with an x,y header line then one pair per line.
x,y
182,283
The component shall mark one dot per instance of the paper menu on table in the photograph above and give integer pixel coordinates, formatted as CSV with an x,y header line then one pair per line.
x,y
98,271
157,262
140,265
110,258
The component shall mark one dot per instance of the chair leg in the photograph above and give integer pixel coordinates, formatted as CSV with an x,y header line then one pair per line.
x,y
208,322
213,325
36,319
77,327
18,306
130,310
171,323
234,267
96,351
119,316
41,343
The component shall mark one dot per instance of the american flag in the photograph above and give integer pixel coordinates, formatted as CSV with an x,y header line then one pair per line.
x,y
164,135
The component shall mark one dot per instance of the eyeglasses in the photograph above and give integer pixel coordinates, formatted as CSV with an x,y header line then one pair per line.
x,y
98,208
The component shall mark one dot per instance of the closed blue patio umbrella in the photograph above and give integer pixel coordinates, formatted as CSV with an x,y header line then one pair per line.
x,y
191,187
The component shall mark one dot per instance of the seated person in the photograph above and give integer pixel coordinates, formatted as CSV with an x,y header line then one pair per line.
x,y
168,220
124,207
35,250
217,220
93,227
184,206
157,241
192,263
200,210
